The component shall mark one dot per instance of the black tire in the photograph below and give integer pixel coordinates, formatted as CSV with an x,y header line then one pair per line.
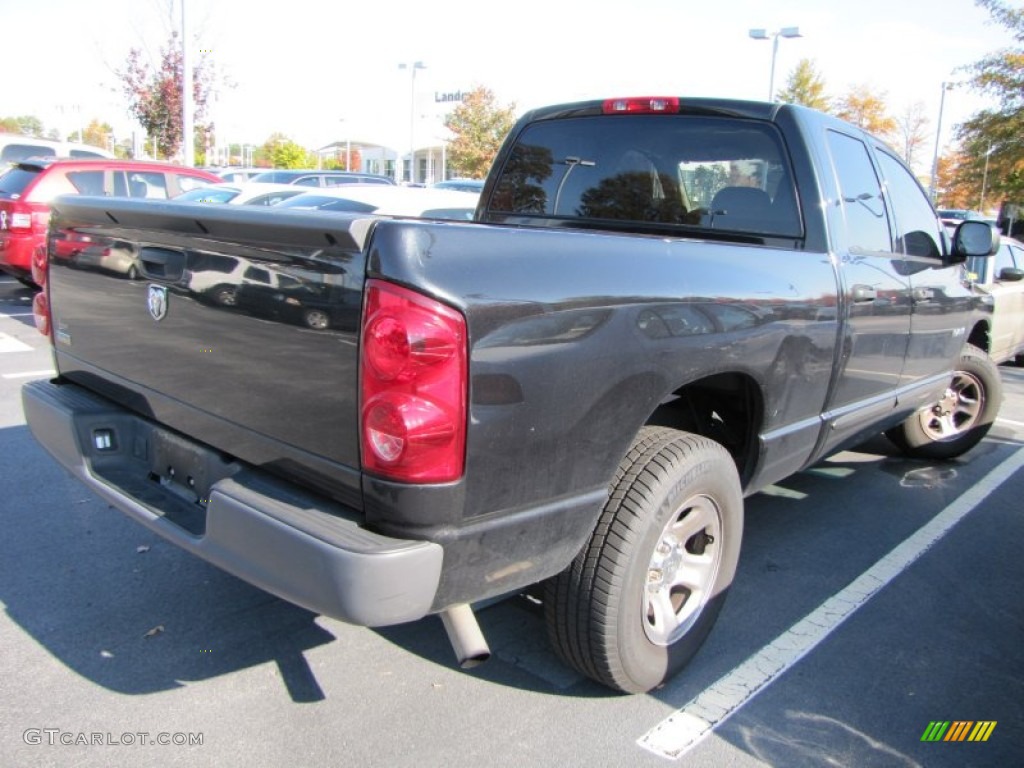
x,y
28,282
958,422
675,501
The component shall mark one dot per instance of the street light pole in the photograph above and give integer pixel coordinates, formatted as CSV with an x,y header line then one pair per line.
x,y
412,115
984,180
933,186
187,107
763,34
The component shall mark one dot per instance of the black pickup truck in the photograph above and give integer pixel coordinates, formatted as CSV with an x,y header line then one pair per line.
x,y
663,305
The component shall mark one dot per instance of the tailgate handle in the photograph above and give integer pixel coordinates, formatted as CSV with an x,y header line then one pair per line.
x,y
162,263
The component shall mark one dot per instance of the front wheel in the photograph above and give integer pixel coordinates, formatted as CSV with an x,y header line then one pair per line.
x,y
964,415
640,598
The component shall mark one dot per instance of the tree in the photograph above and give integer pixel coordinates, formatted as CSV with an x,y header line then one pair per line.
x,y
285,153
913,130
953,188
479,126
154,95
96,134
26,125
866,109
805,86
996,136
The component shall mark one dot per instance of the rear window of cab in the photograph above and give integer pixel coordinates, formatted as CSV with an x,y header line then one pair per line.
x,y
693,171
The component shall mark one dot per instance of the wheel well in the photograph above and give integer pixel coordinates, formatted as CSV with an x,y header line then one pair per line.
x,y
980,337
726,407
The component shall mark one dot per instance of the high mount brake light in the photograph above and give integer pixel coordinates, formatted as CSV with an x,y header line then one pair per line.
x,y
413,374
643,105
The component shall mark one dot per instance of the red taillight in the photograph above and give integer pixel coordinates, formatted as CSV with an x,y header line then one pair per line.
x,y
642,105
413,381
41,313
39,266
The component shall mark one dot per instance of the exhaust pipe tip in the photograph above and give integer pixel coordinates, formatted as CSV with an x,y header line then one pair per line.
x,y
464,634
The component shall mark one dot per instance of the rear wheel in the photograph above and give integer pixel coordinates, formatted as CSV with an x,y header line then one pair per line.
x,y
964,415
316,319
226,295
639,599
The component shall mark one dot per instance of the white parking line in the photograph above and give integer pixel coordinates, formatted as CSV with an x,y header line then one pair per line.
x,y
687,727
11,344
28,374
1011,423
16,314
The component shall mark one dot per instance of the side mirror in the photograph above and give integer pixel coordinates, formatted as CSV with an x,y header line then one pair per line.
x,y
1011,274
974,238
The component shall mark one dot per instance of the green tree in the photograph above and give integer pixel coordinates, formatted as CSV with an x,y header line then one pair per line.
x,y
282,152
805,86
154,94
867,109
26,125
995,137
479,126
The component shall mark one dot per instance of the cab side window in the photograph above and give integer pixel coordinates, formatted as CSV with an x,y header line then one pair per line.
x,y
916,222
867,222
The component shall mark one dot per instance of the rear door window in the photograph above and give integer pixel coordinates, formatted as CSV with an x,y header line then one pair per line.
x,y
148,184
867,221
87,182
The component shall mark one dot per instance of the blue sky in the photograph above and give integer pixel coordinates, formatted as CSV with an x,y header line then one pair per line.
x,y
323,70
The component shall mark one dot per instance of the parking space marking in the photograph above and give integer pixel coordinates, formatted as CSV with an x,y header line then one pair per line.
x,y
16,314
11,344
1010,422
28,374
684,729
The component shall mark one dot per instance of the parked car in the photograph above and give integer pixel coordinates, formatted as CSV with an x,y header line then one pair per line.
x,y
953,216
313,178
421,202
245,193
238,175
461,185
27,187
1001,277
15,148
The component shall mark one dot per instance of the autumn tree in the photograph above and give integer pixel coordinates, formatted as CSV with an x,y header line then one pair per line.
x,y
995,137
913,132
952,187
479,126
805,86
155,94
96,134
866,109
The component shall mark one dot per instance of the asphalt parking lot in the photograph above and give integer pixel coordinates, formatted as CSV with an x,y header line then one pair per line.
x,y
875,597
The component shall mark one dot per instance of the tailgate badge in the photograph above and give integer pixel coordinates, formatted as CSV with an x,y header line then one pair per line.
x,y
157,301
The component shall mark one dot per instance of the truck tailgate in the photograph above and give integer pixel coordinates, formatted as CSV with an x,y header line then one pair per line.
x,y
214,321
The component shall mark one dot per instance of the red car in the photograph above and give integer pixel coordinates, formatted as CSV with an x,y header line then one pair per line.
x,y
27,187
